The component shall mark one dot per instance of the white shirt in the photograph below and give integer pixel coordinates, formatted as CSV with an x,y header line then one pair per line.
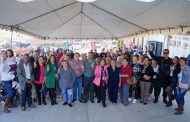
x,y
27,70
4,72
155,70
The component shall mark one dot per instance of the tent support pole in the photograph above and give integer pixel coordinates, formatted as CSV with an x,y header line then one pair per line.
x,y
11,37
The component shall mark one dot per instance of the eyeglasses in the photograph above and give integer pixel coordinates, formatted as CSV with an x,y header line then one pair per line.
x,y
165,53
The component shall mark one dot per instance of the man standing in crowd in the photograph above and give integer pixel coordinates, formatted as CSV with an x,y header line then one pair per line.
x,y
89,66
78,66
103,54
164,70
25,76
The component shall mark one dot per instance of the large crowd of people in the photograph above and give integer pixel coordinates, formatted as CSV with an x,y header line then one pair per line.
x,y
117,74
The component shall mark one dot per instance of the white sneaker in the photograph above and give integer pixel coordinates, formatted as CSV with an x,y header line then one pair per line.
x,y
149,98
134,101
129,99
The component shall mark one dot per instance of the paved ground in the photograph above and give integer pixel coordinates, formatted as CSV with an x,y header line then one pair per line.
x,y
96,113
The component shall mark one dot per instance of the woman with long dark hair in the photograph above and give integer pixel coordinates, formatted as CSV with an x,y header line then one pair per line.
x,y
174,71
50,73
39,79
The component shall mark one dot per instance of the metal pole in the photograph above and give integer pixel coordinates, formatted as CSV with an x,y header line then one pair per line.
x,y
11,37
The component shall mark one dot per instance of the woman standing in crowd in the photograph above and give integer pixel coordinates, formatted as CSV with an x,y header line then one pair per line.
x,y
183,85
174,71
6,77
137,69
11,60
108,61
113,81
146,79
50,72
101,77
156,86
67,79
39,79
125,72
119,61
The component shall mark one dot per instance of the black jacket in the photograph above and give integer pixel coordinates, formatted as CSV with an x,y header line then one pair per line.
x,y
148,71
113,76
164,69
37,71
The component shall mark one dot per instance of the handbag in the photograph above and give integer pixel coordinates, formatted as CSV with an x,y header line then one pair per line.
x,y
183,85
131,80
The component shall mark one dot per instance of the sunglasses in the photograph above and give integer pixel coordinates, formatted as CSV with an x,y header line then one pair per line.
x,y
165,53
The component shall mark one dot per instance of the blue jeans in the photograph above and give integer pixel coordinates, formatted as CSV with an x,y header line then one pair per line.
x,y
77,90
67,95
7,85
27,95
180,96
124,93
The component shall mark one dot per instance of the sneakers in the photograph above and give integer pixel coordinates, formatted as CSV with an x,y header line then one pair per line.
x,y
134,101
130,99
149,98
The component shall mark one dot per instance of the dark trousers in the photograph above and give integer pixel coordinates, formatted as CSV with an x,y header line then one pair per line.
x,y
136,88
51,94
101,93
38,91
157,88
7,85
113,92
27,95
88,89
165,82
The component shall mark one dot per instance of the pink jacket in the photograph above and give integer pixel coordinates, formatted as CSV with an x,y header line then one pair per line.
x,y
98,75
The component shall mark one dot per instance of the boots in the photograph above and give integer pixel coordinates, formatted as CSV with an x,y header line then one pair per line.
x,y
179,110
51,98
155,100
6,110
44,100
169,103
39,100
54,99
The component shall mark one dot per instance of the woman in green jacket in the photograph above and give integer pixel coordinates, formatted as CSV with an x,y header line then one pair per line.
x,y
50,73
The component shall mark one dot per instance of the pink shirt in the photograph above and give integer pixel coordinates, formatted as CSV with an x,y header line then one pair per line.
x,y
42,76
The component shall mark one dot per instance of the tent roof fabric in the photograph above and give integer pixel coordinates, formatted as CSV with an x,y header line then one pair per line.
x,y
101,19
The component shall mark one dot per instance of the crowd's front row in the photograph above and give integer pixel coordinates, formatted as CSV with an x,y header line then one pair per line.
x,y
83,79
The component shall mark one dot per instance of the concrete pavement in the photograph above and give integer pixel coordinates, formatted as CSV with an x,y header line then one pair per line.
x,y
96,113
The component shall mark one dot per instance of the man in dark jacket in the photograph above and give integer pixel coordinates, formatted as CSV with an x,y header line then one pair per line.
x,y
164,70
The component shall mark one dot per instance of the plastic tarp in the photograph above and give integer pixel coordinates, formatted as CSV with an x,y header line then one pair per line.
x,y
100,19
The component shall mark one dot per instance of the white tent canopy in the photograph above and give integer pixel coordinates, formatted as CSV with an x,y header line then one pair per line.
x,y
100,19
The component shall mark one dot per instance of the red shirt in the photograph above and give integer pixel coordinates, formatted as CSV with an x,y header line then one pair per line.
x,y
127,70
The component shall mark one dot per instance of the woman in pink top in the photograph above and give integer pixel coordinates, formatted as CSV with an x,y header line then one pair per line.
x,y
101,78
39,78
